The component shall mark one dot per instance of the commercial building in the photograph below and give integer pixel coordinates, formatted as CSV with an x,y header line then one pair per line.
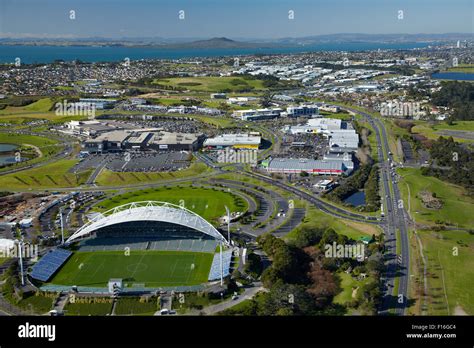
x,y
143,139
99,104
106,142
308,110
241,100
325,185
316,125
236,141
218,95
175,141
330,108
310,166
258,114
347,139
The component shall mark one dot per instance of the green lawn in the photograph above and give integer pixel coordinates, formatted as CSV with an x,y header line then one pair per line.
x,y
52,175
457,207
465,68
207,203
211,84
110,178
354,230
435,131
47,147
348,284
133,306
152,268
456,271
88,308
42,105
39,304
19,139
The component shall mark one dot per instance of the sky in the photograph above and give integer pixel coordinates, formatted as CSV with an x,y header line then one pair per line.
x,y
258,19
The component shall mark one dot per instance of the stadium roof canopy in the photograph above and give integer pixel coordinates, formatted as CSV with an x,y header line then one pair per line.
x,y
148,211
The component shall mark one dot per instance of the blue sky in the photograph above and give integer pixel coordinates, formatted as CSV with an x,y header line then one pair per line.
x,y
231,18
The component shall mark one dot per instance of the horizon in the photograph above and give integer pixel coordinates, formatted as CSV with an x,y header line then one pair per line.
x,y
225,37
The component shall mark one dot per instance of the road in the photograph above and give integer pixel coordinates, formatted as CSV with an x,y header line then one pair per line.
x,y
319,203
246,295
396,219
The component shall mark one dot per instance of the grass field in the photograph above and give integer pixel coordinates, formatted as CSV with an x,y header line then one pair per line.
x,y
48,176
152,268
42,105
212,84
207,203
450,276
45,148
348,285
110,178
133,306
457,208
459,130
465,68
88,309
38,304
351,229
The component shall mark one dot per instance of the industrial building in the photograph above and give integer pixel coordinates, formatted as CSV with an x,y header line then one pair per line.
x,y
236,141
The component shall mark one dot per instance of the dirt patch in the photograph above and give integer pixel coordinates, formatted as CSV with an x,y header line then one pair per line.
x,y
354,292
429,200
364,228
459,311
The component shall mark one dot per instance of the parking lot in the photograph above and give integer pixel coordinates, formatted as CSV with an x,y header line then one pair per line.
x,y
136,162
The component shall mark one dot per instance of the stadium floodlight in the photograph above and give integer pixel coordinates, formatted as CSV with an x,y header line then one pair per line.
x,y
20,242
62,224
222,264
228,222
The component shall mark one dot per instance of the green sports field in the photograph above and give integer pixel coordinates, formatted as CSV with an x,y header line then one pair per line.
x,y
150,268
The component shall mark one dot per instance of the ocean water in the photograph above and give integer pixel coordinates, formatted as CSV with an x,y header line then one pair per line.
x,y
453,76
48,54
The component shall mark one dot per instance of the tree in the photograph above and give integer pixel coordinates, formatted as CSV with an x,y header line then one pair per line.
x,y
267,99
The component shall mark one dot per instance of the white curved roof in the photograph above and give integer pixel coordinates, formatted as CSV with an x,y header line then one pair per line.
x,y
148,211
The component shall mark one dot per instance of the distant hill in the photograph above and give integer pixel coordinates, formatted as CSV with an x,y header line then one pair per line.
x,y
218,42
223,42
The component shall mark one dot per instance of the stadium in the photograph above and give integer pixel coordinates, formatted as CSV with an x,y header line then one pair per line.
x,y
146,246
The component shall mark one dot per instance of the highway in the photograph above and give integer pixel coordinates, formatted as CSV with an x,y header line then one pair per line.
x,y
396,220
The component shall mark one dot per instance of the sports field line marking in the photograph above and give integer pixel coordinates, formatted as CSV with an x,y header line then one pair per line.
x,y
98,267
173,269
190,271
139,262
